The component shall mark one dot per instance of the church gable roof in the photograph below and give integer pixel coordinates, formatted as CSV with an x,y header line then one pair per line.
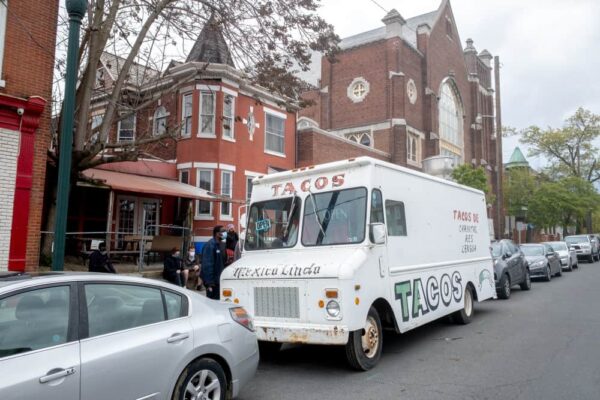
x,y
210,47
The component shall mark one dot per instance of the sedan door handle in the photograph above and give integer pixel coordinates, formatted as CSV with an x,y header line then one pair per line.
x,y
178,337
56,374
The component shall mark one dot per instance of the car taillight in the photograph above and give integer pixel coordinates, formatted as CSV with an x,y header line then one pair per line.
x,y
240,316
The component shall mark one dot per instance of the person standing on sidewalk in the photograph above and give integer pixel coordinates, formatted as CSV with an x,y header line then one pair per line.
x,y
213,263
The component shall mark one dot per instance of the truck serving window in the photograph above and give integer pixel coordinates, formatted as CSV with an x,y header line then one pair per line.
x,y
273,224
337,217
396,219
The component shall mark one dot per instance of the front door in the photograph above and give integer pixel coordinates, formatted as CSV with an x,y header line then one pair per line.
x,y
39,351
136,341
136,215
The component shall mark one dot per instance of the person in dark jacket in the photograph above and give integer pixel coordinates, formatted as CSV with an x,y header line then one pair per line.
x,y
172,267
99,261
213,263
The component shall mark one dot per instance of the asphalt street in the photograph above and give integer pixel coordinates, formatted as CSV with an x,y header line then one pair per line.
x,y
542,344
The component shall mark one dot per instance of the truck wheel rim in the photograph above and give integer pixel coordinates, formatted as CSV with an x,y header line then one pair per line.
x,y
204,385
468,303
370,338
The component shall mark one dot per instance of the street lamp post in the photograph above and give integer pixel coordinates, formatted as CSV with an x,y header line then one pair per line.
x,y
76,10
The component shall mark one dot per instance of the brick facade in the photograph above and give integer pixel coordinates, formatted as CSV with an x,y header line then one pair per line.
x,y
394,84
27,72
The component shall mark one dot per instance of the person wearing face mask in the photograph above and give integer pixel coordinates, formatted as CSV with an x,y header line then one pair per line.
x,y
172,267
99,261
190,263
213,263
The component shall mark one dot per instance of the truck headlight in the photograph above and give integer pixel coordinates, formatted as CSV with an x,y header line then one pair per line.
x,y
333,308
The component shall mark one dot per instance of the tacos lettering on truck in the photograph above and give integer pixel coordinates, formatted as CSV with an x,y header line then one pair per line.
x,y
336,252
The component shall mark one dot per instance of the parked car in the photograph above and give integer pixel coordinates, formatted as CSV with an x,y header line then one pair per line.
x,y
543,261
510,268
584,247
100,336
568,256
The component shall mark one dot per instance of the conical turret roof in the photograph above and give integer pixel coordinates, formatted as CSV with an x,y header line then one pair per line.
x,y
210,47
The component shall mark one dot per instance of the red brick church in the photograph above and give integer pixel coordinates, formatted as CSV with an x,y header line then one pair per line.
x,y
409,93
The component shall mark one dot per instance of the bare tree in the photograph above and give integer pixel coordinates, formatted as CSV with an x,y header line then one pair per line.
x,y
269,41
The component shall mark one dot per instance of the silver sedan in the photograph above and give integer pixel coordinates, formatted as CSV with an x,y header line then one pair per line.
x,y
568,256
101,336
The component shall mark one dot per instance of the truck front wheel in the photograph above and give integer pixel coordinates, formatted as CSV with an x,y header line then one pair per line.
x,y
363,349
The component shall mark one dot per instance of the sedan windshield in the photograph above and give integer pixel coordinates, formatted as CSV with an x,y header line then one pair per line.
x,y
335,217
577,239
533,250
273,224
559,246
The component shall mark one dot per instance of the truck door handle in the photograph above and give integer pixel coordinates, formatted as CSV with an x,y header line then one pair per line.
x,y
57,373
178,337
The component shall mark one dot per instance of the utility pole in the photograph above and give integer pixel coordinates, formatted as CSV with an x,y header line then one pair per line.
x,y
76,10
499,163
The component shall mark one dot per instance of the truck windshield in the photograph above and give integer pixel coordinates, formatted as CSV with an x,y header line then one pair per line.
x,y
273,224
577,239
337,217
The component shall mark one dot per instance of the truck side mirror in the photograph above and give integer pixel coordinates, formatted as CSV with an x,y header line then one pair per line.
x,y
378,233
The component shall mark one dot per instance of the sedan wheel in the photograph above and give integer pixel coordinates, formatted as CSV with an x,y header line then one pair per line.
x,y
526,285
504,291
548,276
204,379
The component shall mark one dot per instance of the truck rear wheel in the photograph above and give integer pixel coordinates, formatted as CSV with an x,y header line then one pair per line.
x,y
363,349
464,316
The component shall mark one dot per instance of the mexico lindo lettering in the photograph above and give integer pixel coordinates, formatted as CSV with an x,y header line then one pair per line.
x,y
425,296
286,270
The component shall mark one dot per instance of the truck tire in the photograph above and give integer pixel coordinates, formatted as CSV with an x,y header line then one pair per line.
x,y
526,284
504,291
363,349
464,316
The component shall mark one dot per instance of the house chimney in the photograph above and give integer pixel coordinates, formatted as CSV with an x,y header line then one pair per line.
x,y
393,23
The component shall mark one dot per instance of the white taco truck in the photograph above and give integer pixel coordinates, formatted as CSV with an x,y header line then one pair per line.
x,y
336,252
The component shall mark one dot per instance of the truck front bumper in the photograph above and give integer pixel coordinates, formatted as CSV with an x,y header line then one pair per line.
x,y
301,333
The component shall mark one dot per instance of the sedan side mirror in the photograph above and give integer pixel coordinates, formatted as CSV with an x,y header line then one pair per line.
x,y
378,233
506,256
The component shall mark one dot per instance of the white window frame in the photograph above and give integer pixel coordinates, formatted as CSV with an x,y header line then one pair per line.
x,y
212,134
184,133
410,137
283,117
119,130
208,216
3,22
227,216
249,178
231,117
155,118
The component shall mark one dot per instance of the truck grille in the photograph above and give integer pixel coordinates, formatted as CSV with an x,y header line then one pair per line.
x,y
276,302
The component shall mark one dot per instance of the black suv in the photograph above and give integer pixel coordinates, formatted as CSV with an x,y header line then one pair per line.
x,y
510,268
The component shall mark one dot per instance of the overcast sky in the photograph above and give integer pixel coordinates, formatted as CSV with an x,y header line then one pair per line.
x,y
549,50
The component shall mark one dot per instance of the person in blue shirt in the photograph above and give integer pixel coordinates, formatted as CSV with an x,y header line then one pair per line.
x,y
213,263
